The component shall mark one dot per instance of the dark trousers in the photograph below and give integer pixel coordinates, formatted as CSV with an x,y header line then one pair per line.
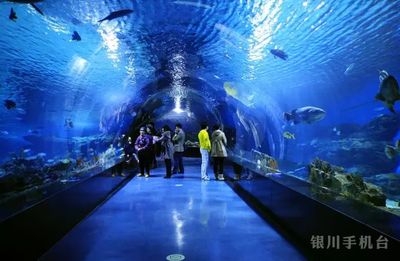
x,y
117,169
152,157
126,164
168,167
144,161
218,165
178,162
154,160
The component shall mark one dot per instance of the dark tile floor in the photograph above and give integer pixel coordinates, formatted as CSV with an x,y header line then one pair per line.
x,y
151,218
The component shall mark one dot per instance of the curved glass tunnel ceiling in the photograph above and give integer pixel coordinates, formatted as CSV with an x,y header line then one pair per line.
x,y
239,63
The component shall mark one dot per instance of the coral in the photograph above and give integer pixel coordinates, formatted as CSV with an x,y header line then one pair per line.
x,y
389,182
351,185
265,162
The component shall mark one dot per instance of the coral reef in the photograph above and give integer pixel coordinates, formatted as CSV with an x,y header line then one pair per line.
x,y
20,174
347,184
390,184
24,173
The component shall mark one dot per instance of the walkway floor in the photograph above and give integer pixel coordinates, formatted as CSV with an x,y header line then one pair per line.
x,y
151,218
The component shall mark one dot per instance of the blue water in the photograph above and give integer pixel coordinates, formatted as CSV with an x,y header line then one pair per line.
x,y
335,49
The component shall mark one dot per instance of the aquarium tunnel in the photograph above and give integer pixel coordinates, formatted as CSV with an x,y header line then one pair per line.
x,y
306,93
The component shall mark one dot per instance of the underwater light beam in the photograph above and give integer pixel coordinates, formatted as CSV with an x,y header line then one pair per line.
x,y
79,65
178,108
263,23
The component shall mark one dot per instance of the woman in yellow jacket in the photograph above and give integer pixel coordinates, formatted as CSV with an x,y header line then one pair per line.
x,y
205,148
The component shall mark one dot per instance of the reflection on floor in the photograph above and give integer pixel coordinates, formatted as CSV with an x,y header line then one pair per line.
x,y
152,218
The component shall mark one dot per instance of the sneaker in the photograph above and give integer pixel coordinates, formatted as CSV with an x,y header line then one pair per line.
x,y
146,175
221,177
205,178
123,175
140,175
167,177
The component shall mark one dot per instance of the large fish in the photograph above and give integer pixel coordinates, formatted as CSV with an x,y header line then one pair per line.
x,y
13,15
308,114
10,104
230,90
279,53
31,2
116,14
76,36
388,90
392,151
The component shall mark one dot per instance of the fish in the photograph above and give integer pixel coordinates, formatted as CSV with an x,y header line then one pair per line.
x,y
75,21
336,131
41,155
313,142
388,90
10,104
76,36
116,14
392,151
4,132
37,9
13,15
68,123
230,90
308,114
273,164
288,135
30,2
21,111
36,132
349,69
279,53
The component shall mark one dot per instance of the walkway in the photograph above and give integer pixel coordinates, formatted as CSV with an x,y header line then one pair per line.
x,y
151,218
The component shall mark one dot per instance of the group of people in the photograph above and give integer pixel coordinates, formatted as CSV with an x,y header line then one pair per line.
x,y
216,147
171,149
